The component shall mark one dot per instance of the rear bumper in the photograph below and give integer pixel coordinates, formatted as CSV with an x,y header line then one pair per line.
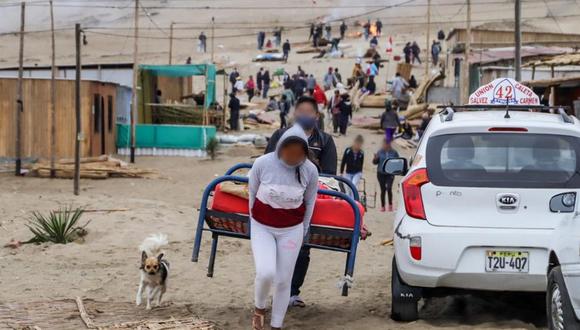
x,y
454,257
571,273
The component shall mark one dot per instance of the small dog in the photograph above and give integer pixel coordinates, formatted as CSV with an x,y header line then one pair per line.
x,y
154,269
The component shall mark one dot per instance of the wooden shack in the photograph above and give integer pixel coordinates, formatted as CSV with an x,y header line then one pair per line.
x,y
97,118
489,38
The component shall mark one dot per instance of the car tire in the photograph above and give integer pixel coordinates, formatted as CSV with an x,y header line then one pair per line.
x,y
404,298
559,310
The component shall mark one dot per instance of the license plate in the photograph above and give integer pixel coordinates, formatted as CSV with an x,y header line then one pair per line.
x,y
507,261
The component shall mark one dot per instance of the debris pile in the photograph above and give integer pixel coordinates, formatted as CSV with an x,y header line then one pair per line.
x,y
101,167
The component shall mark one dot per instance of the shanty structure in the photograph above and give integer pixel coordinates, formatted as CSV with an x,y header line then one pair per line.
x,y
489,38
168,89
98,113
557,89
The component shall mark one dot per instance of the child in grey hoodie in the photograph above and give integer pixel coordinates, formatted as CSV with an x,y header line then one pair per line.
x,y
282,189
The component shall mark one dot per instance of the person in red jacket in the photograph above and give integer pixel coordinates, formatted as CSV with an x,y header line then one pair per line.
x,y
320,98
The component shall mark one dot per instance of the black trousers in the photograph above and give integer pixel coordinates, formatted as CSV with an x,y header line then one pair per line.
x,y
300,270
343,124
386,185
234,120
283,120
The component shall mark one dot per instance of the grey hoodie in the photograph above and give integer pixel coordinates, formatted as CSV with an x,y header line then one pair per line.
x,y
282,195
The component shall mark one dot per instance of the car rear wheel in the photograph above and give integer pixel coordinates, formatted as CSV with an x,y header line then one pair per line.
x,y
559,309
404,298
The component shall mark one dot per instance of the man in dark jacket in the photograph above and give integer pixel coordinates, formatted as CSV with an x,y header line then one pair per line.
x,y
343,28
266,84
353,161
323,155
233,77
286,50
260,80
234,106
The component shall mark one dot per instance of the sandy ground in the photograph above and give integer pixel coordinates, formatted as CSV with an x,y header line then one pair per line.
x,y
104,267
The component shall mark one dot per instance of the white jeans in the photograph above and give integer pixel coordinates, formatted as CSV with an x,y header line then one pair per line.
x,y
275,252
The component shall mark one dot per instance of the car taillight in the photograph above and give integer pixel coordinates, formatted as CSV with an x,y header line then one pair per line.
x,y
415,247
412,193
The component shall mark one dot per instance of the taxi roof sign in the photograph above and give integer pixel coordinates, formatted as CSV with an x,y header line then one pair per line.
x,y
504,91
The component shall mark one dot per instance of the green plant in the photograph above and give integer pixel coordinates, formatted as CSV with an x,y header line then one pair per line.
x,y
59,226
212,147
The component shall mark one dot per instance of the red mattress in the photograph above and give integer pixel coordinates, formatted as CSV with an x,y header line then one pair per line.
x,y
327,211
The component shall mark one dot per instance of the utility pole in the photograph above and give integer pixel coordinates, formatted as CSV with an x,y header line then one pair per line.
x,y
19,104
135,77
465,72
171,42
52,97
77,176
212,36
428,37
518,40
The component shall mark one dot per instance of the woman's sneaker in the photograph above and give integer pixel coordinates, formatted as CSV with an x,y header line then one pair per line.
x,y
296,301
390,208
383,209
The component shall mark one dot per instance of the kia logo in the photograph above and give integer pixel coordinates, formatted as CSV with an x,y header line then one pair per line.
x,y
508,199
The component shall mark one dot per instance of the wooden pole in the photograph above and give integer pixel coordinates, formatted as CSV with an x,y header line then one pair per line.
x,y
77,175
52,96
171,43
19,104
428,37
225,108
212,37
465,71
135,77
518,40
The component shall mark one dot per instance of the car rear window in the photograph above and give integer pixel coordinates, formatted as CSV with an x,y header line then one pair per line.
x,y
519,160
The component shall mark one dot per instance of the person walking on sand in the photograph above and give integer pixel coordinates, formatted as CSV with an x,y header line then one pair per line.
x,y
201,46
385,180
282,192
284,106
345,113
250,88
266,83
389,121
435,51
323,155
343,28
260,80
407,51
234,106
353,161
334,109
416,50
379,26
286,50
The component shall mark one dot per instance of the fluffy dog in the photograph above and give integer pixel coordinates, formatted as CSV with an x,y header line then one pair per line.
x,y
154,269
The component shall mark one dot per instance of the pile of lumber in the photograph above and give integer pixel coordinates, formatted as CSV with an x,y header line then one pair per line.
x,y
101,167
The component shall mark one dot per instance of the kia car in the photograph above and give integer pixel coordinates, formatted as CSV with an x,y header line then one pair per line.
x,y
480,204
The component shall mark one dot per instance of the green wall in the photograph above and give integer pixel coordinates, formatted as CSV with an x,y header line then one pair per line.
x,y
165,136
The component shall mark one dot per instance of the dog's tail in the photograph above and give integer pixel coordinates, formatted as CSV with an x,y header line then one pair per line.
x,y
154,244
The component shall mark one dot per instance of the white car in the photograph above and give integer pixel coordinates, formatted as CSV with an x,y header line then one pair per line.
x,y
481,202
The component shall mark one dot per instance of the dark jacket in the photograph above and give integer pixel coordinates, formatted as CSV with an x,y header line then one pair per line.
x,y
353,161
286,47
389,119
322,149
234,105
345,109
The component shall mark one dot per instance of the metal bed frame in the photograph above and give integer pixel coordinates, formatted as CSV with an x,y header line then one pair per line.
x,y
344,235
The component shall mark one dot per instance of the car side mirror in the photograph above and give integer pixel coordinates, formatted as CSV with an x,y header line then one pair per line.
x,y
395,166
